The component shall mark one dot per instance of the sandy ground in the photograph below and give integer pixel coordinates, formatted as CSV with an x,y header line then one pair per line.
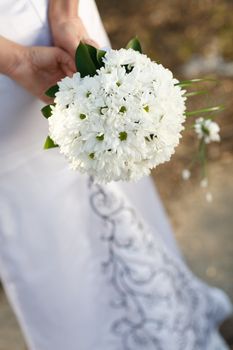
x,y
10,334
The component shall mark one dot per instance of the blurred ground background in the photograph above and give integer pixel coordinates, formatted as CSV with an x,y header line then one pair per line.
x,y
193,38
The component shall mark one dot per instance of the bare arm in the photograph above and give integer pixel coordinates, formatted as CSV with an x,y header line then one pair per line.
x,y
10,54
66,26
62,9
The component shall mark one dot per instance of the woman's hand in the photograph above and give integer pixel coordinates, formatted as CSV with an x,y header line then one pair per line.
x,y
66,26
68,32
38,68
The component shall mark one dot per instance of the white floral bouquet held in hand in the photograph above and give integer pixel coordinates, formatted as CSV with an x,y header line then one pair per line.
x,y
120,115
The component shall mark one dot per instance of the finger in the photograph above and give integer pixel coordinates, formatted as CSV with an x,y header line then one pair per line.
x,y
65,60
56,77
71,66
72,43
91,42
67,71
46,99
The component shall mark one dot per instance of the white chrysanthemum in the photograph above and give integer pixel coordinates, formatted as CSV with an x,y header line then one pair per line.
x,y
123,121
207,129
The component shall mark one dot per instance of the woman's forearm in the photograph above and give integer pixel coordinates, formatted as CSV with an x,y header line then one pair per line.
x,y
59,9
10,56
67,27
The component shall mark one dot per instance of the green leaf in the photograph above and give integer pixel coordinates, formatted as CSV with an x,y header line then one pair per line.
x,y
134,44
93,53
100,55
195,93
186,83
51,92
49,143
47,111
205,110
83,60
96,56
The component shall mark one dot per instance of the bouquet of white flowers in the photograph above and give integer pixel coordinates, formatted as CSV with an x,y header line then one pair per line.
x,y
120,115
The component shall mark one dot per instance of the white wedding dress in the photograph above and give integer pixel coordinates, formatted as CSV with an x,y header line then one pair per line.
x,y
84,266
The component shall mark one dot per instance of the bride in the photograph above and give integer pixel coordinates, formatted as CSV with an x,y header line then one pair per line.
x,y
84,266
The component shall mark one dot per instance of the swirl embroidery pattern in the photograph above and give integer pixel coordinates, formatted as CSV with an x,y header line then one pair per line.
x,y
153,293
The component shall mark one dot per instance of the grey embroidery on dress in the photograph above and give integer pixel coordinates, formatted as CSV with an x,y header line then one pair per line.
x,y
156,297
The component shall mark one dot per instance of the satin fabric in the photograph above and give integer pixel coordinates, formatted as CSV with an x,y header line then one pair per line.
x,y
49,251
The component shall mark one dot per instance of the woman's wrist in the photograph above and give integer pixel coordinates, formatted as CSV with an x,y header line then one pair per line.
x,y
11,56
62,10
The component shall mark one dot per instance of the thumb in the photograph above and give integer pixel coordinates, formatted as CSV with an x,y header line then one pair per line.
x,y
72,44
66,61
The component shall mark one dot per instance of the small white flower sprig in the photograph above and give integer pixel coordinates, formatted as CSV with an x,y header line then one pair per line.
x,y
207,131
119,116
